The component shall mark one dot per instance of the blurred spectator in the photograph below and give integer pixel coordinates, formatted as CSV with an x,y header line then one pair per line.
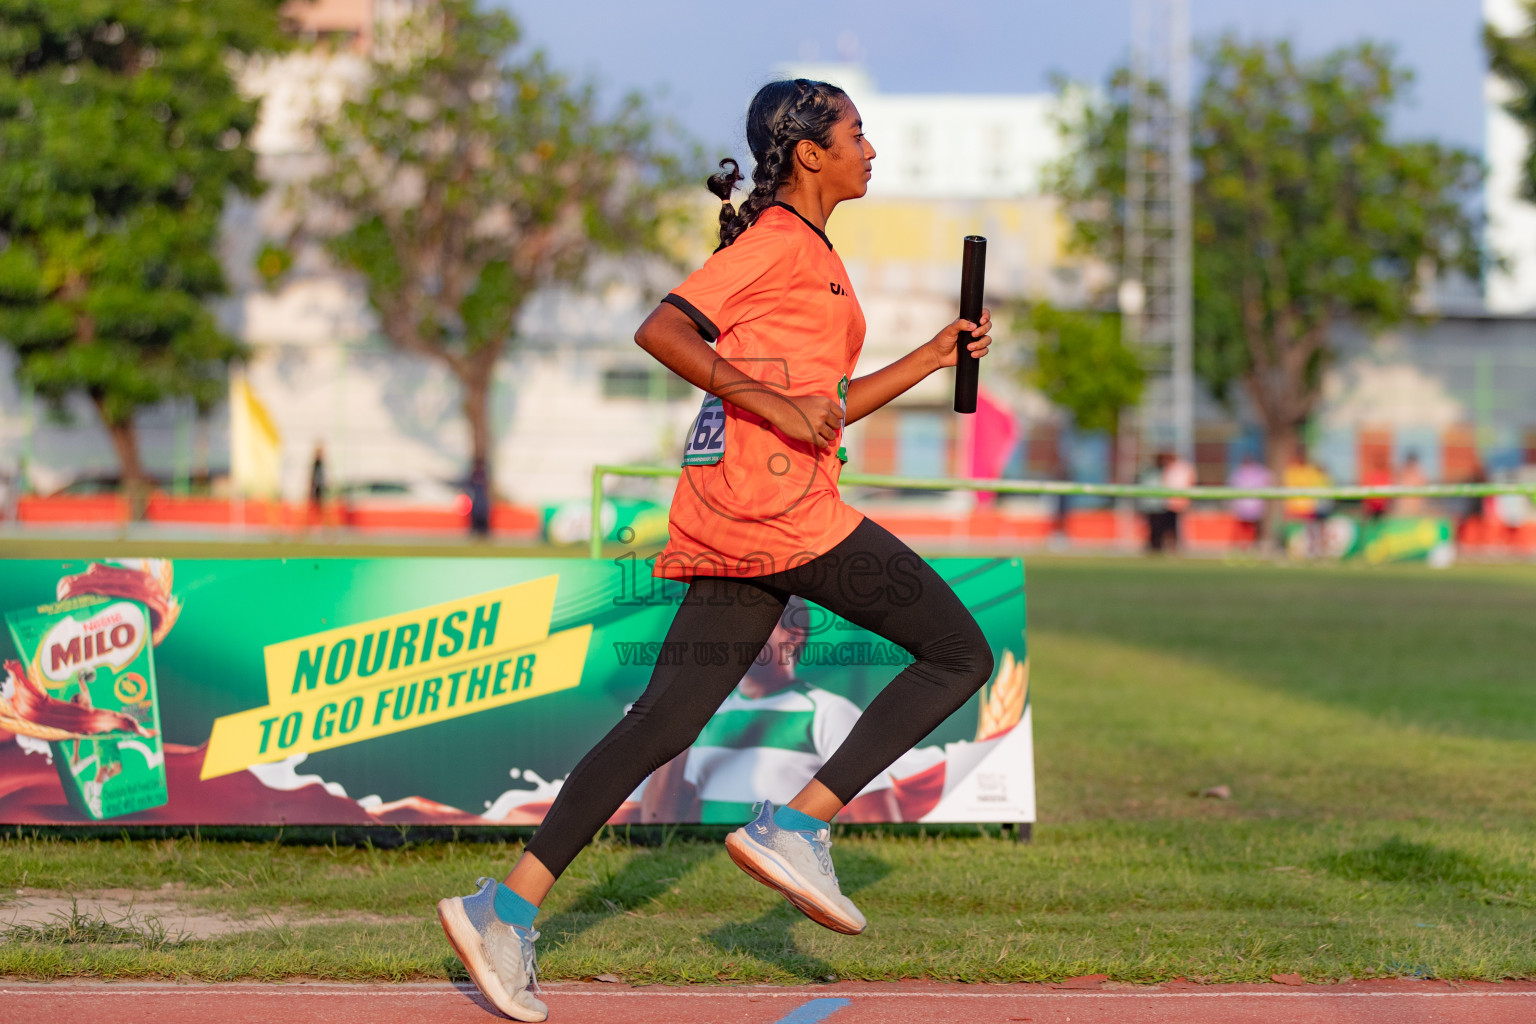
x,y
1413,476
1177,473
1249,512
317,485
14,489
1469,510
479,499
1515,510
1156,509
1062,509
1377,474
1311,512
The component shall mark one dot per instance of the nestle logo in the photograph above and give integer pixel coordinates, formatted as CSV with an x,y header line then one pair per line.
x,y
837,289
992,787
111,636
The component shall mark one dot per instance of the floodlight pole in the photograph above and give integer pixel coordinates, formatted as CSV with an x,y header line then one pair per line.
x,y
1183,253
1156,292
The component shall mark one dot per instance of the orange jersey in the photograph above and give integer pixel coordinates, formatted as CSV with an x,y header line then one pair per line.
x,y
777,303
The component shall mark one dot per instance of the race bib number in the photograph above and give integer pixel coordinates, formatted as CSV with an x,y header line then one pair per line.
x,y
706,440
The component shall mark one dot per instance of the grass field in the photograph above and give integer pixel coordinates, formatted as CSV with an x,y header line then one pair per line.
x,y
1376,728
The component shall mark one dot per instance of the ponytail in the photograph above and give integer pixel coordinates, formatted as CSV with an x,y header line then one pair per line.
x,y
780,115
722,185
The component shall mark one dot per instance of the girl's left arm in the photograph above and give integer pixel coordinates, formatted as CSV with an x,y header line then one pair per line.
x,y
870,392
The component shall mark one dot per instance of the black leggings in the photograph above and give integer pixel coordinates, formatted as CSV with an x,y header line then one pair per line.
x,y
871,579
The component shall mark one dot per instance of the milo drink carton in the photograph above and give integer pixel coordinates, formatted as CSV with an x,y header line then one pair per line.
x,y
90,688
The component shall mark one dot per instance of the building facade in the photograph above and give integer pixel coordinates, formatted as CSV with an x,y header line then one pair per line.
x,y
1511,233
1458,392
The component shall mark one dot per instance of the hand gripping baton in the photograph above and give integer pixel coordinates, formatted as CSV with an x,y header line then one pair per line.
x,y
972,283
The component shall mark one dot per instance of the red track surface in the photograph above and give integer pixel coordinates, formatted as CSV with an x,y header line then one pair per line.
x,y
1384,1002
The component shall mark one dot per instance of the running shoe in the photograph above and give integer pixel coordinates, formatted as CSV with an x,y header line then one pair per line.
x,y
798,865
498,956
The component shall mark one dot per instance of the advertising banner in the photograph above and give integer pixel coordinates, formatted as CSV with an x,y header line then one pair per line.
x,y
447,691
1391,539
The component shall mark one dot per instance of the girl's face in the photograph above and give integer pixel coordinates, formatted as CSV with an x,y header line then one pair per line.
x,y
847,167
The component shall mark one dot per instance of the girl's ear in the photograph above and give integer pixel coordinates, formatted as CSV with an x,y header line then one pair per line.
x,y
808,155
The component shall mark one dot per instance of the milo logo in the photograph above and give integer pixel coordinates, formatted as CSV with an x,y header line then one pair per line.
x,y
112,636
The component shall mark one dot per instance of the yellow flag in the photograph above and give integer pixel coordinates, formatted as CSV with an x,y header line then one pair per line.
x,y
256,448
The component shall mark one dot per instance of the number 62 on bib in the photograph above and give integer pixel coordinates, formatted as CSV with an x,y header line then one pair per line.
x,y
706,439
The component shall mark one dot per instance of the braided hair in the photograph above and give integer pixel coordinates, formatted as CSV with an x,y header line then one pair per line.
x,y
781,115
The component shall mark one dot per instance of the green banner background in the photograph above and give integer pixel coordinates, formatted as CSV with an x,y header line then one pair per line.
x,y
211,665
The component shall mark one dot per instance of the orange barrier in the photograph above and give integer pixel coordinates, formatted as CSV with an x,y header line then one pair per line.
x,y
1200,530
86,510
102,508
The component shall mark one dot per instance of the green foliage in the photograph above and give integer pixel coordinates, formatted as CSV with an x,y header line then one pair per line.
x,y
272,262
1090,175
1306,211
122,134
471,174
1513,58
1083,365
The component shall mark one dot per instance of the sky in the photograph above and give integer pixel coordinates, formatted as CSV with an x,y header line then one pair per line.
x,y
701,62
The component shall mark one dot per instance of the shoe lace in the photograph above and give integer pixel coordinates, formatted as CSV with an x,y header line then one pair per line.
x,y
531,961
821,842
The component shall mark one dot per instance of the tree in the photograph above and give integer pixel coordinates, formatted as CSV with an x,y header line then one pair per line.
x,y
468,180
1513,58
122,134
1306,212
1083,365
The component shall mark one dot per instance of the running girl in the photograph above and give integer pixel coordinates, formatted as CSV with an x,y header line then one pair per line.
x,y
756,519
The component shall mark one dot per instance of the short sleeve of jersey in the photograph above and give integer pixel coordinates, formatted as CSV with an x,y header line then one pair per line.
x,y
739,283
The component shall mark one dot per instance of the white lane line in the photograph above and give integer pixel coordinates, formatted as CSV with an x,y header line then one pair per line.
x,y
424,991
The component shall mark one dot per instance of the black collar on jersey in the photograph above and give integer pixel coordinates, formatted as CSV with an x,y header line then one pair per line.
x,y
819,233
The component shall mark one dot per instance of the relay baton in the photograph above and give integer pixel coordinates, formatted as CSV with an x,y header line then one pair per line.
x,y
972,283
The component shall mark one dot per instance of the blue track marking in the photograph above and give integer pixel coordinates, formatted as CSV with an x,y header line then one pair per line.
x,y
813,1011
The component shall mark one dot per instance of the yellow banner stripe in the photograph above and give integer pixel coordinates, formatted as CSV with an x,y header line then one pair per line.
x,y
328,719
404,646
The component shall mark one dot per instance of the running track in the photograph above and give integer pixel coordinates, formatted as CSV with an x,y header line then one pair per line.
x,y
1082,1001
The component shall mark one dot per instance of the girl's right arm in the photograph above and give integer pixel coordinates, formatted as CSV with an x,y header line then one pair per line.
x,y
672,339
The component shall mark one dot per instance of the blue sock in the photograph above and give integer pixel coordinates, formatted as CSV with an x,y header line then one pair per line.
x,y
513,909
799,821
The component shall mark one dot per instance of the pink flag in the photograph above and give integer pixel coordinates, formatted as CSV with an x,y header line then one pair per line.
x,y
991,434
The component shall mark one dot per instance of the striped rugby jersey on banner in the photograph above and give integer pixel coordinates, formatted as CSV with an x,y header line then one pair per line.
x,y
767,749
